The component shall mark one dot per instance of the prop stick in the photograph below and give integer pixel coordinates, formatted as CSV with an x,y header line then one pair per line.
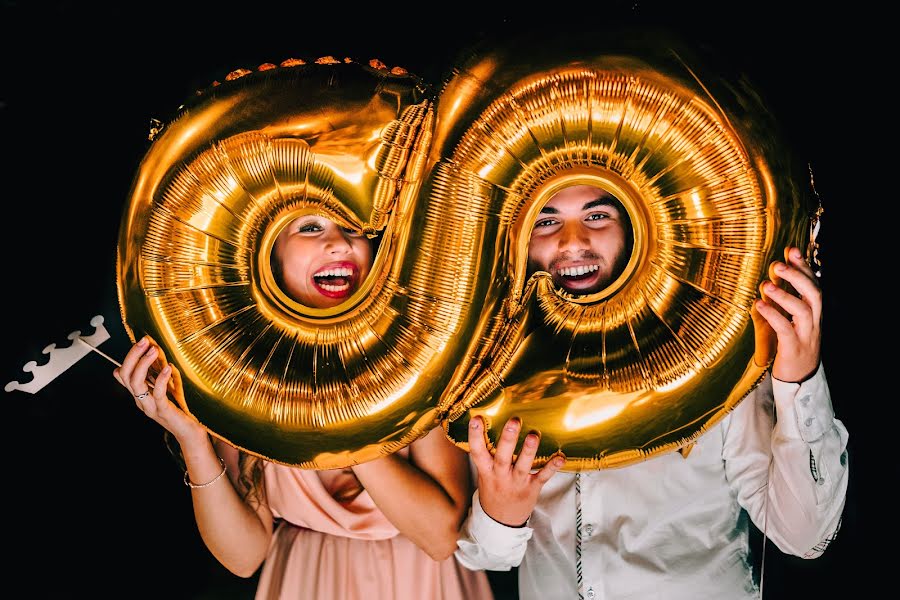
x,y
98,351
107,357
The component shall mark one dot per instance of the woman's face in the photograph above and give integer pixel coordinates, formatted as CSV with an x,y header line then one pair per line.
x,y
321,263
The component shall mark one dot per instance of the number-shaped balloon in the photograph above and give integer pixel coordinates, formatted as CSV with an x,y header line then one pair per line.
x,y
650,362
312,387
452,322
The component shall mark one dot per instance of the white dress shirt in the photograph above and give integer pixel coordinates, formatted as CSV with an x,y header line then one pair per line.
x,y
676,528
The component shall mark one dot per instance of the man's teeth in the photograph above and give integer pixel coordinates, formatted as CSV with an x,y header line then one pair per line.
x,y
579,270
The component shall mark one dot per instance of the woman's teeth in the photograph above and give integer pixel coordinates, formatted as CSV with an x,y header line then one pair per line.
x,y
337,272
334,280
335,288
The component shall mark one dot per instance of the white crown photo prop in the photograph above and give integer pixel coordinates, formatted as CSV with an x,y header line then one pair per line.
x,y
62,358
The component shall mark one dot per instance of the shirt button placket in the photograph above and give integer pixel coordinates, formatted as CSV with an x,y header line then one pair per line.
x,y
589,481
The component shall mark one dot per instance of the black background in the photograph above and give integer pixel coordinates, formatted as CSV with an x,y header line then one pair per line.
x,y
94,502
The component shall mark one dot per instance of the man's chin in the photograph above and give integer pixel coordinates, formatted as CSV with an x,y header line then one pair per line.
x,y
582,291
582,288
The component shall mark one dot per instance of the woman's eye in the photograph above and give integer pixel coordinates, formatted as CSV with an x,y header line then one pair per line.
x,y
352,232
309,228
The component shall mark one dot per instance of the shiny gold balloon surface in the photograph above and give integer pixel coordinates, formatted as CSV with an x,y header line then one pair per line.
x,y
651,362
311,387
450,323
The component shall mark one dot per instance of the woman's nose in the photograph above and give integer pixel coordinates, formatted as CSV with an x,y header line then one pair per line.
x,y
337,241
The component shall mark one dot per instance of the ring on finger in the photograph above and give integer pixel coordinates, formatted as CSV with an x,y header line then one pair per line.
x,y
142,395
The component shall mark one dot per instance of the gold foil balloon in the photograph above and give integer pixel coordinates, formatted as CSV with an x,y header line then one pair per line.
x,y
311,387
449,322
649,363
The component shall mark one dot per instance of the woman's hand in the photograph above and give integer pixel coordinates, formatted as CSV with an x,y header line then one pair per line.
x,y
427,497
134,376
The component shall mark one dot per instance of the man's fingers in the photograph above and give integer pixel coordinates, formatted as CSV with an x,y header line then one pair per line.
x,y
550,469
774,317
795,258
803,281
526,457
789,303
506,445
765,340
482,458
774,275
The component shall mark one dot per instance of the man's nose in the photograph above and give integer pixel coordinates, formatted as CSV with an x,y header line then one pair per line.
x,y
572,236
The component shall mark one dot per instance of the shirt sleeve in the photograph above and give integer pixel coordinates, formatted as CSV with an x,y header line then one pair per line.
x,y
486,544
786,459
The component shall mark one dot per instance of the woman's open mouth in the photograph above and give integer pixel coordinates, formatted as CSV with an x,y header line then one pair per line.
x,y
336,280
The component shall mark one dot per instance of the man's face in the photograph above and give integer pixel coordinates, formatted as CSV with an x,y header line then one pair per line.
x,y
580,238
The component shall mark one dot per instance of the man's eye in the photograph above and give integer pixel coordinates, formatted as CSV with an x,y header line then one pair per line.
x,y
596,216
545,223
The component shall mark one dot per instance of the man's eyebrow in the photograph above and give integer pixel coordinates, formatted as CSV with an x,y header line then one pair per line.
x,y
601,201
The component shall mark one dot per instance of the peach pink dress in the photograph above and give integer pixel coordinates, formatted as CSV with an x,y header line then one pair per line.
x,y
348,550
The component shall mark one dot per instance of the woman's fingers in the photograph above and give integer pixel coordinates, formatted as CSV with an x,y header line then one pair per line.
x,y
131,359
138,379
157,402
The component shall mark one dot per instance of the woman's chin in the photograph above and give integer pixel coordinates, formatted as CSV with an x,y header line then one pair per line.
x,y
329,298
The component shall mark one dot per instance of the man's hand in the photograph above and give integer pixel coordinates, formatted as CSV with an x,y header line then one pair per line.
x,y
789,325
508,489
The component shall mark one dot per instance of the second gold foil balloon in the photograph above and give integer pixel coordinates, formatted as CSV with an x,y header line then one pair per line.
x,y
649,363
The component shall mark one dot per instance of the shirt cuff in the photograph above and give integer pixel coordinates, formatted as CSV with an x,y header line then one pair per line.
x,y
493,535
804,410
